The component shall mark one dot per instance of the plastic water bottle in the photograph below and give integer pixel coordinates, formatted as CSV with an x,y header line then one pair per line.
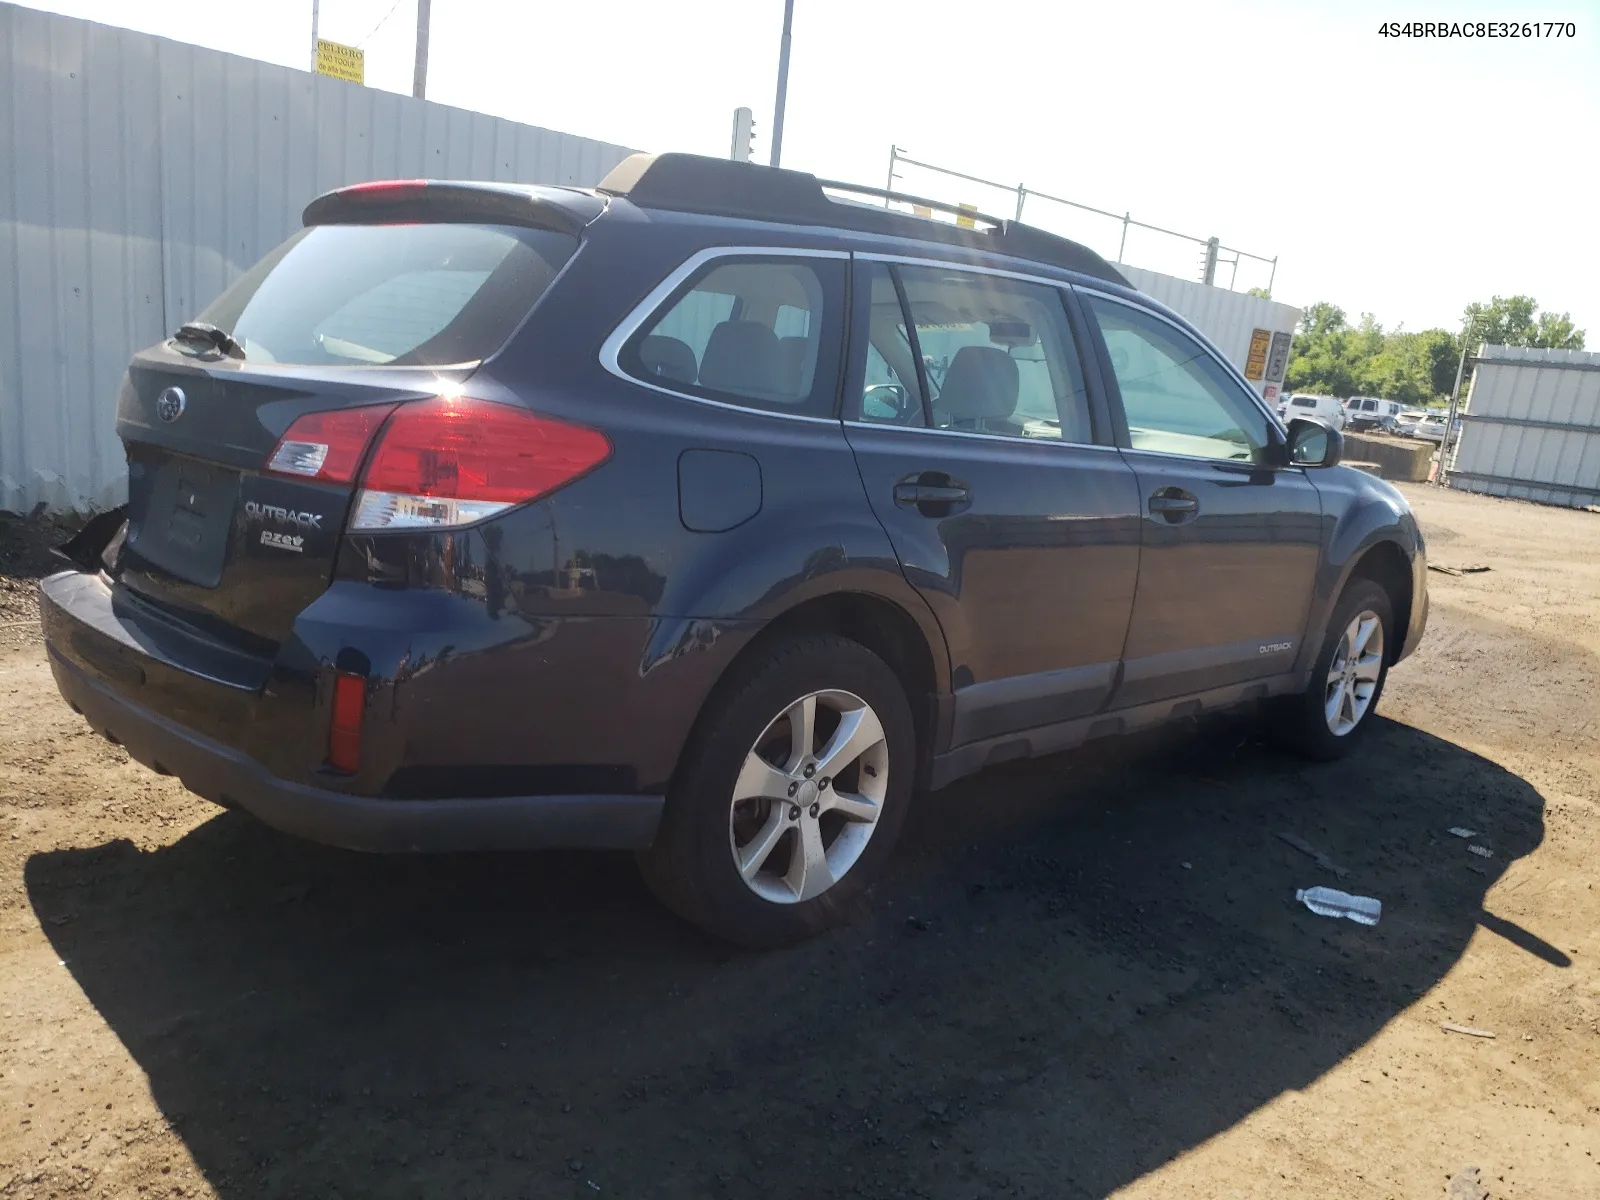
x,y
1327,902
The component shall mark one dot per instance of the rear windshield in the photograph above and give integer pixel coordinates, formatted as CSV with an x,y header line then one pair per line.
x,y
402,295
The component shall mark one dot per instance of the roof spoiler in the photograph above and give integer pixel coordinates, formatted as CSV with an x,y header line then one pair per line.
x,y
392,201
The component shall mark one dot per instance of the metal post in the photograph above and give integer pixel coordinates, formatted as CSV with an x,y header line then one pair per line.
x,y
894,155
1233,278
783,83
1123,245
1022,194
419,78
1208,272
316,6
1455,404
1273,277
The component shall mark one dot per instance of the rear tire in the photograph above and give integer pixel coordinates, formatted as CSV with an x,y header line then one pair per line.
x,y
790,795
1328,720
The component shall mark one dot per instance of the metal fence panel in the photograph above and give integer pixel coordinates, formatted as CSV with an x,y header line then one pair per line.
x,y
1531,426
139,176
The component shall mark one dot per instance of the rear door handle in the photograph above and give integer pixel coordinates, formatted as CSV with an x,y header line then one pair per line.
x,y
928,493
932,493
1175,504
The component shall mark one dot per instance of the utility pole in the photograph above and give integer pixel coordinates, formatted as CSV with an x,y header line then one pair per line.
x,y
315,6
744,135
419,78
783,83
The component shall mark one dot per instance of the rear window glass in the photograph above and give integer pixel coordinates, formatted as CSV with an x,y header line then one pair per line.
x,y
402,295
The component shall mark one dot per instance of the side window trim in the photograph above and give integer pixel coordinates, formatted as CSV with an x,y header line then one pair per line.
x,y
1275,429
1102,413
853,374
611,349
916,345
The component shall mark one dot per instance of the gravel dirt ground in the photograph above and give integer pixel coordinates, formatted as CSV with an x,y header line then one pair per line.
x,y
1083,976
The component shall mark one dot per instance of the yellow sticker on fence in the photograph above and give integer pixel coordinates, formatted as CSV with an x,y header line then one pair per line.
x,y
1256,365
342,62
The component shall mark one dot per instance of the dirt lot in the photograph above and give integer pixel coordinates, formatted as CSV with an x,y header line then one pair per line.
x,y
1085,975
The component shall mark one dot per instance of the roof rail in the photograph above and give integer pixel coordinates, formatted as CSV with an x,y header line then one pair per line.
x,y
722,187
959,210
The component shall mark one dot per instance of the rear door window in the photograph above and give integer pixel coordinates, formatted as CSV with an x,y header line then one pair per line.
x,y
390,295
759,332
997,355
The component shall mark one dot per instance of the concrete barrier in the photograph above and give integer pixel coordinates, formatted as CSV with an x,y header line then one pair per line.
x,y
1396,458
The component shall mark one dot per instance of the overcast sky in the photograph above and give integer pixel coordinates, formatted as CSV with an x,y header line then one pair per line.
x,y
1404,177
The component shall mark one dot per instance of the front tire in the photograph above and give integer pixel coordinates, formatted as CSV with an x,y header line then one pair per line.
x,y
1331,716
790,796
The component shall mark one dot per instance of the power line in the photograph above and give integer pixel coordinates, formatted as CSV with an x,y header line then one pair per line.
x,y
380,24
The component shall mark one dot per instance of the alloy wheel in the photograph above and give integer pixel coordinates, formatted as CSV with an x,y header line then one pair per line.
x,y
1353,675
808,796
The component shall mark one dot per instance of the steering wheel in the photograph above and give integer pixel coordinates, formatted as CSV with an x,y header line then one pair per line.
x,y
890,404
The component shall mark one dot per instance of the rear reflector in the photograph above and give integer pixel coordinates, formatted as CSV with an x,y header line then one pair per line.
x,y
327,446
344,730
454,460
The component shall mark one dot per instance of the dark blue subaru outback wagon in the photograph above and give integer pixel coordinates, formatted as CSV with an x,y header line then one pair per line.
x,y
705,515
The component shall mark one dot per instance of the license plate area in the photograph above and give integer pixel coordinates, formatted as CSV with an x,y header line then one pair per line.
x,y
184,515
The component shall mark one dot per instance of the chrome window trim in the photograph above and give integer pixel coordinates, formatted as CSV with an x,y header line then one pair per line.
x,y
611,349
1006,438
1204,343
907,260
1237,464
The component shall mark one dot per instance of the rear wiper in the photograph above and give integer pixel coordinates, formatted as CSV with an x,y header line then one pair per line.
x,y
217,338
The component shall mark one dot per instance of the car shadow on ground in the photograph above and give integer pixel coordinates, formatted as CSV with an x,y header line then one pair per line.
x,y
1078,969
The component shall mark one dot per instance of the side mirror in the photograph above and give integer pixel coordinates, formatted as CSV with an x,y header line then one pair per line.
x,y
884,402
1313,444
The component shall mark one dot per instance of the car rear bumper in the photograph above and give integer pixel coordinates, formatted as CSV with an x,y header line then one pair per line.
x,y
564,735
232,779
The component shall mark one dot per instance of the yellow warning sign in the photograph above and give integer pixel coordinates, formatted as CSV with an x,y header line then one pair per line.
x,y
964,220
1256,365
342,62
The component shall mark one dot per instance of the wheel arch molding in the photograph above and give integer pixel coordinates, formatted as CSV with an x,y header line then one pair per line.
x,y
1370,541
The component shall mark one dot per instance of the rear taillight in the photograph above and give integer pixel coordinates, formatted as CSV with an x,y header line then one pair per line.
x,y
344,727
454,460
327,446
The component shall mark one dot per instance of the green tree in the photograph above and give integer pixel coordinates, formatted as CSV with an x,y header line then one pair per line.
x,y
1440,348
1557,332
1335,358
1258,291
1516,321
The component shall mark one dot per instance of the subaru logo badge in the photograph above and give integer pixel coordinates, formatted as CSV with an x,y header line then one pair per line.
x,y
171,403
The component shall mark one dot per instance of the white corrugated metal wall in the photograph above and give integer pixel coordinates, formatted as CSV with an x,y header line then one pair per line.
x,y
1531,426
1226,317
141,175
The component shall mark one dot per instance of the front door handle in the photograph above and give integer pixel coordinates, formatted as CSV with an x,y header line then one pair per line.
x,y
931,493
1174,505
